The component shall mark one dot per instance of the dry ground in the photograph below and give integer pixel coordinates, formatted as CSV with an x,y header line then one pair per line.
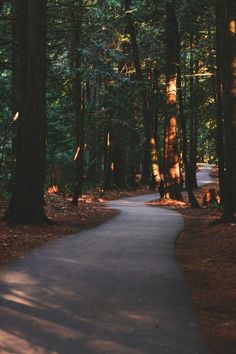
x,y
207,256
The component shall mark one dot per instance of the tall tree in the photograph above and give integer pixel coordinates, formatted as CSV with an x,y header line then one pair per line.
x,y
26,204
171,156
79,98
188,180
229,67
219,103
146,113
193,116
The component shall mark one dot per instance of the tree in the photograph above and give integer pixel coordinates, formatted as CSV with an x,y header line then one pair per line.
x,y
107,106
152,148
188,177
79,98
171,156
26,203
193,115
229,68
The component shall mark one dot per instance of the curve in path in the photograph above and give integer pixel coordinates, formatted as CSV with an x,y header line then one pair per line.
x,y
115,289
203,175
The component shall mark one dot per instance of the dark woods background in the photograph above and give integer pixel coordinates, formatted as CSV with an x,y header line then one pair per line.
x,y
114,94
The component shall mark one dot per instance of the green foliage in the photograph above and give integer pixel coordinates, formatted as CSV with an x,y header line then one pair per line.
x,y
112,98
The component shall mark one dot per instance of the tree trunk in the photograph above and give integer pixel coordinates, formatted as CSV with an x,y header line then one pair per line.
x,y
119,156
219,105
229,68
147,119
188,182
171,156
79,131
108,172
79,105
15,91
132,155
26,203
193,120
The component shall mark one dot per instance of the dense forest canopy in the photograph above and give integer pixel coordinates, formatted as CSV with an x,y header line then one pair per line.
x,y
115,94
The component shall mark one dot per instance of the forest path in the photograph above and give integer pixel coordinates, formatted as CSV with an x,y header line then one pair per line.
x,y
203,175
115,289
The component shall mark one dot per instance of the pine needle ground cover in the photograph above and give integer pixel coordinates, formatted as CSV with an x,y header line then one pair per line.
x,y
207,256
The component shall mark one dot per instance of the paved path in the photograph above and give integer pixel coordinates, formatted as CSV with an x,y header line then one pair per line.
x,y
115,289
203,176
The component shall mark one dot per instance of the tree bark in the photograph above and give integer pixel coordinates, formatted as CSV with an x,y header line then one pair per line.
x,y
79,105
108,173
193,120
229,67
171,156
15,89
219,105
188,182
147,119
26,203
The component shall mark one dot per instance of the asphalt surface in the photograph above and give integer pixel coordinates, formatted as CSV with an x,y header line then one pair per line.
x,y
203,175
115,289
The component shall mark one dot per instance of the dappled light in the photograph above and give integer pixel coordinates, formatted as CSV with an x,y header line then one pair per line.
x,y
18,278
111,347
11,343
232,26
53,189
15,117
171,91
117,153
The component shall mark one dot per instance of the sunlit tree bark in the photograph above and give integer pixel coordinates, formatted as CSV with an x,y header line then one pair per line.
x,y
171,156
147,118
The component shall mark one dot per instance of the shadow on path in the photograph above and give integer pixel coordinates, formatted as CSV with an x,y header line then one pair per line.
x,y
114,289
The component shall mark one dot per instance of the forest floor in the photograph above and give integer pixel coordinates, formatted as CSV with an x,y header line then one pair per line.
x,y
90,212
207,255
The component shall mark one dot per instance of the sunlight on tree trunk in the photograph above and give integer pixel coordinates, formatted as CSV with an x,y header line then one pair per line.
x,y
171,155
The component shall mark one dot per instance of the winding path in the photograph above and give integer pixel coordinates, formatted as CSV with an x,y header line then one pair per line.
x,y
115,289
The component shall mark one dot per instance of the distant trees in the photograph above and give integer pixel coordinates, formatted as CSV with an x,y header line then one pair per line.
x,y
132,89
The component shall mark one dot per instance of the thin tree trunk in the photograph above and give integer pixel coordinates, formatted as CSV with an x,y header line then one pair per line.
x,y
79,131
219,106
108,180
147,119
79,103
188,182
193,119
132,156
